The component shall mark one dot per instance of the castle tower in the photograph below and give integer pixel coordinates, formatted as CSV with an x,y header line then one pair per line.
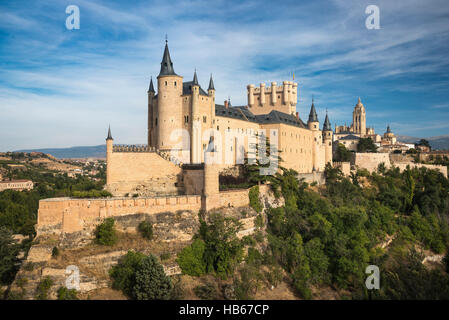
x,y
195,155
211,93
211,194
151,94
327,140
359,119
109,146
169,110
294,97
314,125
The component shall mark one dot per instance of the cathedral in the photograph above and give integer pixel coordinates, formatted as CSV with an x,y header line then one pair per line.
x,y
185,120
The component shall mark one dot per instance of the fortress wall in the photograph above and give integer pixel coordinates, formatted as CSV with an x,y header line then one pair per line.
x,y
370,161
137,172
193,181
70,215
234,198
403,166
345,167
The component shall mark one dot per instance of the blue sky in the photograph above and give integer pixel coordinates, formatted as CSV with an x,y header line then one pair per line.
x,y
61,88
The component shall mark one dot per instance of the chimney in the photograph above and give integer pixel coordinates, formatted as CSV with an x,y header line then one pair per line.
x,y
226,104
297,115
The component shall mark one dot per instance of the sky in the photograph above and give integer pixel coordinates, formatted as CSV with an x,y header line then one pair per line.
x,y
62,88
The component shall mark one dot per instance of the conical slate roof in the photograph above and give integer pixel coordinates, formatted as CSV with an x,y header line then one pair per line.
x,y
327,124
195,78
109,134
211,83
151,89
167,64
312,115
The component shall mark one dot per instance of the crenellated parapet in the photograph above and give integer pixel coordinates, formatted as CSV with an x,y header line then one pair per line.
x,y
133,148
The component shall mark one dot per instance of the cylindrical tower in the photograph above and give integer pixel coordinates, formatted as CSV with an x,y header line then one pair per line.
x,y
262,94
273,93
109,146
250,88
327,141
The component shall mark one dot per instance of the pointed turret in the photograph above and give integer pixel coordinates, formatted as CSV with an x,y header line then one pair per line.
x,y
151,88
327,124
312,115
167,64
211,83
195,79
388,129
109,134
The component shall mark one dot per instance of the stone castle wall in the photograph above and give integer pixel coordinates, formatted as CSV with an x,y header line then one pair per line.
x,y
142,173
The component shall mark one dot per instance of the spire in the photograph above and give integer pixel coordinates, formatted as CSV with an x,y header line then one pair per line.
x,y
312,115
211,83
151,89
388,129
359,102
195,79
167,64
327,124
109,134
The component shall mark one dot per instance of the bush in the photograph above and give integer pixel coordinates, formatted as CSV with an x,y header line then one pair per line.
x,y
151,281
146,230
254,201
105,233
123,274
55,252
43,288
190,259
207,291
91,194
67,294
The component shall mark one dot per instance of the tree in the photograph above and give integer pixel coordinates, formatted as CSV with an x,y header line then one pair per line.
x,y
8,256
342,154
105,233
424,142
151,281
123,274
366,145
191,260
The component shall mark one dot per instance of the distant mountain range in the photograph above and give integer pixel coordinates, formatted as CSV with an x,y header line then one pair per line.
x,y
437,142
73,152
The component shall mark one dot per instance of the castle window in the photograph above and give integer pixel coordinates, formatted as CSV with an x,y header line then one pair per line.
x,y
175,83
314,126
204,146
186,119
166,83
204,119
155,122
218,128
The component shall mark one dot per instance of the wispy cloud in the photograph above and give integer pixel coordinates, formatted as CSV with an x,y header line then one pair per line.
x,y
61,87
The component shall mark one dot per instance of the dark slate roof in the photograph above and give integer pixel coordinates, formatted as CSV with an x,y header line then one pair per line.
x,y
312,115
242,113
344,132
234,112
109,134
195,78
151,89
327,124
211,84
167,64
280,117
350,137
388,129
187,88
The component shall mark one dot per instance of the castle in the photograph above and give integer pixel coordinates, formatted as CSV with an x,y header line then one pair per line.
x,y
184,121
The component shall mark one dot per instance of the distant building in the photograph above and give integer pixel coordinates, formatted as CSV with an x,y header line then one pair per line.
x,y
18,185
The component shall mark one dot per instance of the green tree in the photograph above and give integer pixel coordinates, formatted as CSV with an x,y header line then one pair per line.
x,y
342,154
123,274
151,281
105,233
191,260
8,256
366,145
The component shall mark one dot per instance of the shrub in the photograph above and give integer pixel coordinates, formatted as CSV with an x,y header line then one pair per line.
x,y
123,274
91,194
55,252
146,230
43,288
105,233
67,294
165,256
254,201
151,281
8,256
207,291
190,259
